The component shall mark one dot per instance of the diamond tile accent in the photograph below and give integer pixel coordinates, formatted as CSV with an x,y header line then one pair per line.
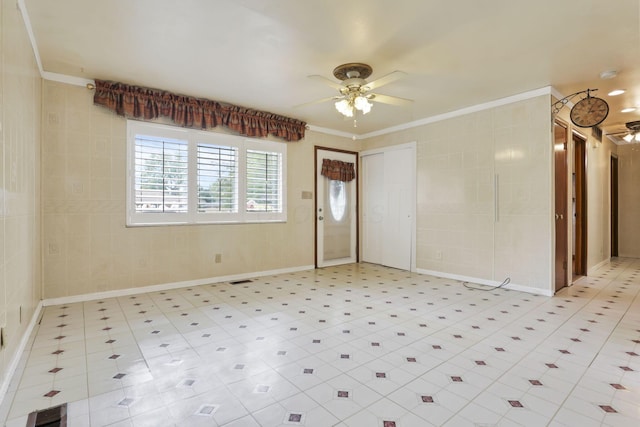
x,y
55,370
427,399
294,418
608,409
51,393
207,410
516,404
126,402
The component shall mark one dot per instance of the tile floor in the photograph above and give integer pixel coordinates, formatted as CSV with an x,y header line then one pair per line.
x,y
356,345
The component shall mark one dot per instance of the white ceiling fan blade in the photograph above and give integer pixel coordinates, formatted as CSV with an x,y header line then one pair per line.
x,y
326,81
317,101
384,80
386,99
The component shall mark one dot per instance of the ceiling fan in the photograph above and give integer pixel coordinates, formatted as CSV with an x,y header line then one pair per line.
x,y
632,132
355,92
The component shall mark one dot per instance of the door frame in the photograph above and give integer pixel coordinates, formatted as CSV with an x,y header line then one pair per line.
x,y
580,203
315,199
614,206
561,173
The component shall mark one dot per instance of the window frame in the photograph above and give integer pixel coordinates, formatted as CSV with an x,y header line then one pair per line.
x,y
194,138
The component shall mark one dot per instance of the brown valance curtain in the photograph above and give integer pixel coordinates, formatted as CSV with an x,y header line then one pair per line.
x,y
148,104
338,170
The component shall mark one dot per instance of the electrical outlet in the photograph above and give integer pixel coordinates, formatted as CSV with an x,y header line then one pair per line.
x,y
438,254
53,248
218,258
54,118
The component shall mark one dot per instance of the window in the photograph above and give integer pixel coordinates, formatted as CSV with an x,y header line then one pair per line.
x,y
181,176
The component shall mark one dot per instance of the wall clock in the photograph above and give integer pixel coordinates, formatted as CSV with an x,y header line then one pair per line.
x,y
589,112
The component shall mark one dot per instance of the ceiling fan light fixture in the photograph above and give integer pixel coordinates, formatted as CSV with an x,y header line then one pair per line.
x,y
616,92
362,103
628,137
344,107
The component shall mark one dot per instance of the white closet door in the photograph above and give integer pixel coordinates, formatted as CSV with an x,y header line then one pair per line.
x,y
400,194
374,208
388,207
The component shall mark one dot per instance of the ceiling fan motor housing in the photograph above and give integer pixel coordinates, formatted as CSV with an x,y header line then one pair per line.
x,y
633,126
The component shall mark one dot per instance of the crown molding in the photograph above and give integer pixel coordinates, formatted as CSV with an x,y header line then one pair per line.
x,y
32,38
64,78
547,90
335,132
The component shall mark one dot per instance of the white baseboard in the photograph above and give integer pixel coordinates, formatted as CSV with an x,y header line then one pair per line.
x,y
511,286
598,265
168,286
15,361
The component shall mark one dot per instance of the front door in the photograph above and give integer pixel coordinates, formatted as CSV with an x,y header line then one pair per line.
x,y
336,212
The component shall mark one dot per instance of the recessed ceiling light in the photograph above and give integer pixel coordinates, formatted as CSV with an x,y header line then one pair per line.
x,y
608,74
628,110
616,92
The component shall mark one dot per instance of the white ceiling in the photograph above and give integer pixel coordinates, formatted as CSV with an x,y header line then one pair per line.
x,y
258,53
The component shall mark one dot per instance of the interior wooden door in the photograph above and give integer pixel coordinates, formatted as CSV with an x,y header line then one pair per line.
x,y
579,206
561,132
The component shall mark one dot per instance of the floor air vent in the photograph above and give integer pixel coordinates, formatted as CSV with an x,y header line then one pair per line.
x,y
240,282
51,417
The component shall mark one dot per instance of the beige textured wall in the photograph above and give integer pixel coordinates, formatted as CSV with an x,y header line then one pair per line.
x,y
87,247
457,161
598,200
20,101
629,200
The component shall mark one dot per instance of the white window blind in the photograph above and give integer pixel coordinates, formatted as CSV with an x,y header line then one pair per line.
x,y
217,178
161,175
264,181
